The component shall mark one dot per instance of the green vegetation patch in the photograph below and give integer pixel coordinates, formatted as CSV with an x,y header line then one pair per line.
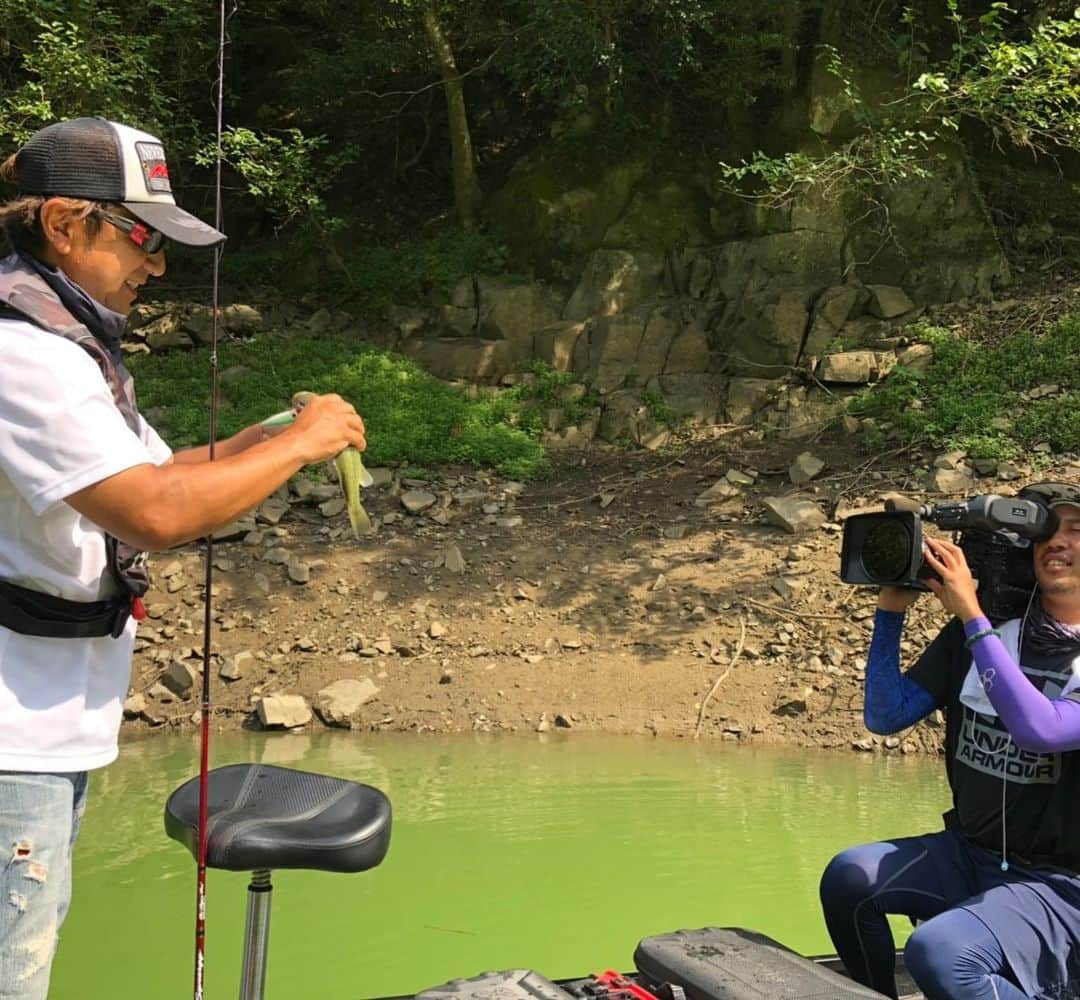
x,y
541,389
973,396
411,417
368,278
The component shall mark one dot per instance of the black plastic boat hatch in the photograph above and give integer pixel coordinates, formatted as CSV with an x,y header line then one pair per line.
x,y
729,963
499,986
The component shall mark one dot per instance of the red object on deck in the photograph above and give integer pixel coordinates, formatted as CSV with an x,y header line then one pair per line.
x,y
621,987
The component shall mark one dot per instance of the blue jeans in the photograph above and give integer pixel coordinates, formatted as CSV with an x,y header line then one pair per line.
x,y
39,821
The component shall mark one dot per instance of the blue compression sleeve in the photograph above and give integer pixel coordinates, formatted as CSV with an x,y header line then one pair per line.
x,y
893,701
1034,721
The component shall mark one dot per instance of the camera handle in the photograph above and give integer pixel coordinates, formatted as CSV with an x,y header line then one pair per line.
x,y
1029,519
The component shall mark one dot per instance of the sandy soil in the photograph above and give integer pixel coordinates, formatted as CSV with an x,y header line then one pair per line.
x,y
601,599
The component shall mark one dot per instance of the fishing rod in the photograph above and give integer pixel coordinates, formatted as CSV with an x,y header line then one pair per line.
x,y
204,753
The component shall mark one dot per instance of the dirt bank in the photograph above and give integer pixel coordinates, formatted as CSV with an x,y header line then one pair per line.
x,y
602,599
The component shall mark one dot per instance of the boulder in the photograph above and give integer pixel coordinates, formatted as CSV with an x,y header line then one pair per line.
x,y
689,351
514,311
696,397
338,703
613,282
848,368
614,342
805,467
745,396
657,339
465,357
165,333
180,677
283,711
555,344
794,516
917,357
832,309
888,302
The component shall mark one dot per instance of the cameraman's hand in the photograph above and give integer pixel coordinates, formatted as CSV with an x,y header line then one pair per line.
x,y
897,598
956,588
325,426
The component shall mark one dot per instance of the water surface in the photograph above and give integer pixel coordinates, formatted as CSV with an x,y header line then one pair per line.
x,y
556,853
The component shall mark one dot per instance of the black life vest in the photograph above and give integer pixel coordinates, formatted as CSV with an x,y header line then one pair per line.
x,y
25,294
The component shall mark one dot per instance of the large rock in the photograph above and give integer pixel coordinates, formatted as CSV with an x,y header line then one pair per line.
x,y
689,351
286,711
944,243
465,358
233,319
832,309
811,417
339,703
697,397
455,321
514,311
614,342
766,285
615,281
165,333
848,368
663,213
888,301
553,213
917,357
745,396
556,344
661,331
793,515
627,417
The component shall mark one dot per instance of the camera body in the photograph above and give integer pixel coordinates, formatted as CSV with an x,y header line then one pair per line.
x,y
995,533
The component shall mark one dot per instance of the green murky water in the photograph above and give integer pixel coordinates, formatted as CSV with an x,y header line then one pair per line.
x,y
551,853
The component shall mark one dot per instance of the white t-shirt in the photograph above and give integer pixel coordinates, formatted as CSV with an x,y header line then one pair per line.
x,y
60,699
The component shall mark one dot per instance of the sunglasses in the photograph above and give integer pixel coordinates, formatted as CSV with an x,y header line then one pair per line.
x,y
146,239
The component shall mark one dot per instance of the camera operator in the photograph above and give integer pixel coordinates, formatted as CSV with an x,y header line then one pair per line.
x,y
998,890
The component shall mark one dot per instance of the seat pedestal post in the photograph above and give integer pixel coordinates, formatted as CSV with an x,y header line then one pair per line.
x,y
256,936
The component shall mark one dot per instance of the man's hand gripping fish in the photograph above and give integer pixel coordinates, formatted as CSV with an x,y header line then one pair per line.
x,y
350,468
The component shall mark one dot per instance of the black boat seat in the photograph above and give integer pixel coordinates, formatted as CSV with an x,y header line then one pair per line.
x,y
264,817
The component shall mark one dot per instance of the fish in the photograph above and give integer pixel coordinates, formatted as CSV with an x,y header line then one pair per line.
x,y
348,464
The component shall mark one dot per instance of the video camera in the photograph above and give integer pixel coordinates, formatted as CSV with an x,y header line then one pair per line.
x,y
996,535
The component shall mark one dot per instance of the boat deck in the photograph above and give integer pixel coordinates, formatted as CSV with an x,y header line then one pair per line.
x,y
905,985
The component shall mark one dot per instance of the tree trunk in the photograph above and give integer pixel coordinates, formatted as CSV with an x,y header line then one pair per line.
x,y
467,196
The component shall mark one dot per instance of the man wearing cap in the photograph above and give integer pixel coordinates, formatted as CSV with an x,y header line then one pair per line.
x,y
86,489
998,891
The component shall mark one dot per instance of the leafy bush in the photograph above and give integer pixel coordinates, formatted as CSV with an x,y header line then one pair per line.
x,y
1021,84
971,397
370,277
411,416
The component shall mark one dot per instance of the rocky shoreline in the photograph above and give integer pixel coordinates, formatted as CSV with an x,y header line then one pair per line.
x,y
620,596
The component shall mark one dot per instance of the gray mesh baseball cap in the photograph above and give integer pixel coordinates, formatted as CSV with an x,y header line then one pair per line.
x,y
104,161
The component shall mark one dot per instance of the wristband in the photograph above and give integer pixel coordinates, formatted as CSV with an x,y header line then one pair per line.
x,y
982,634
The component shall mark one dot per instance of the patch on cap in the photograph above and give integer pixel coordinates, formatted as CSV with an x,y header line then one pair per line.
x,y
155,169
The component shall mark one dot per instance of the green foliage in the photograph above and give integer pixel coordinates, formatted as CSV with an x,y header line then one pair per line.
x,y
421,270
1022,84
411,416
371,277
658,408
73,71
281,172
541,389
628,62
971,397
1025,90
144,64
